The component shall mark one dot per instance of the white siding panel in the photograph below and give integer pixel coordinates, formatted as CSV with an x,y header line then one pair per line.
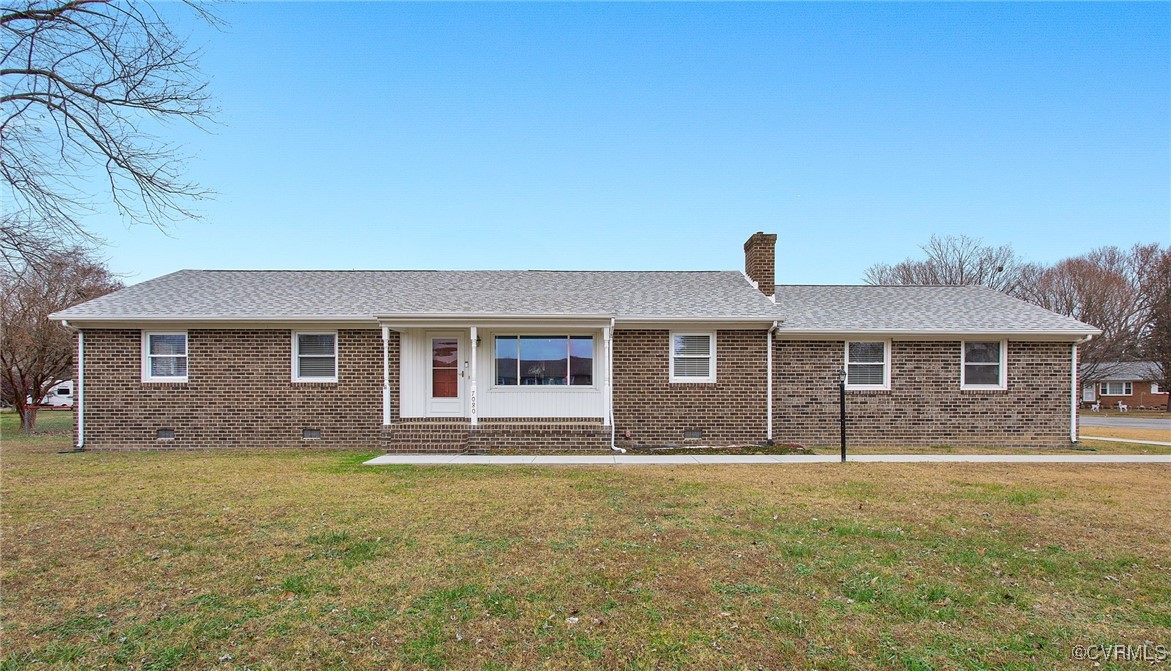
x,y
538,401
413,373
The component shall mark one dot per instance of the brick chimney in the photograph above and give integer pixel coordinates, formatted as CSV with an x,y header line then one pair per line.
x,y
760,261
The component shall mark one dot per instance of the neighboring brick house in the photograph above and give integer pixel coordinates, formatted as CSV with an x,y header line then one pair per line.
x,y
1134,384
573,360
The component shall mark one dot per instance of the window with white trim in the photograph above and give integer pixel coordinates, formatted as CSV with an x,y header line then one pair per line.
x,y
1155,388
1115,388
868,364
983,365
693,357
164,356
314,356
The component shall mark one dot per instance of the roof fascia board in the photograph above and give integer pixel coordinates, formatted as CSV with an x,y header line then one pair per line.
x,y
282,324
934,334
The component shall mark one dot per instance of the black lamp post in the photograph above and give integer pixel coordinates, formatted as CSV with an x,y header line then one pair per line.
x,y
842,408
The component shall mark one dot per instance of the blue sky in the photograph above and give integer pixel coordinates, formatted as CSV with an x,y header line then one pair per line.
x,y
659,136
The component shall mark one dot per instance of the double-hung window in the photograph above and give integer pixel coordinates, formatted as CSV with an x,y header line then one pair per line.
x,y
868,364
984,365
164,356
1116,388
314,357
693,357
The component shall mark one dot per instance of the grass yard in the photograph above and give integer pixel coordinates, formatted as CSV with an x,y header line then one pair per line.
x,y
307,560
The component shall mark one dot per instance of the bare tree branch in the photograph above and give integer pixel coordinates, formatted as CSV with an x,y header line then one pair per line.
x,y
79,79
36,352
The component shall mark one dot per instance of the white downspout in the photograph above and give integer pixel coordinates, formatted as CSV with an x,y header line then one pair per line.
x,y
769,381
472,391
608,334
79,393
1073,388
385,375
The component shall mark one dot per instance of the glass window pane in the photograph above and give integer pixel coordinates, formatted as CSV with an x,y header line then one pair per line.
x,y
315,343
981,374
444,353
693,367
168,366
444,383
315,366
168,343
867,352
506,360
581,360
543,360
864,373
982,352
692,345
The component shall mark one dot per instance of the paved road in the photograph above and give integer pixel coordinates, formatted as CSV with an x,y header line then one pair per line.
x,y
1088,419
655,460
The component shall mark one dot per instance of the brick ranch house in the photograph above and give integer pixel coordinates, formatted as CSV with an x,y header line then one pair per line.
x,y
536,360
1134,384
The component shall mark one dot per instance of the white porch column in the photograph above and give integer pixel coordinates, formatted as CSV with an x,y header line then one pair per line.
x,y
385,375
608,336
472,382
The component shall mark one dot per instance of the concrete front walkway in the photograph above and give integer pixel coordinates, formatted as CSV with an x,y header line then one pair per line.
x,y
631,459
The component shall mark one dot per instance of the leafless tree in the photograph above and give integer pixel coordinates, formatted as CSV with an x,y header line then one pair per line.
x,y
957,260
1110,288
81,84
1158,341
36,352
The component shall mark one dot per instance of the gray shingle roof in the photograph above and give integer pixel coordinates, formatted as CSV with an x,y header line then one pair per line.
x,y
1123,371
901,309
359,294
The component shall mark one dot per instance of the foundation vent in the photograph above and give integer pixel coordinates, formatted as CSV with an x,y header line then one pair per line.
x,y
311,434
165,434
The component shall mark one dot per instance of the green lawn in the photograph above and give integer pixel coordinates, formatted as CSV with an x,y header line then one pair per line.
x,y
307,560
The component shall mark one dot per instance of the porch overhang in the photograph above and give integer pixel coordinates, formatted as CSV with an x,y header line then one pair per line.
x,y
487,320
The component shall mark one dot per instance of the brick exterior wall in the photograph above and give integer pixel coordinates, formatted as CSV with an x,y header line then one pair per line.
x,y
239,393
656,412
925,405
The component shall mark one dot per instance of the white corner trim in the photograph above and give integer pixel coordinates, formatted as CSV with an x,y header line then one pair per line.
x,y
385,375
710,377
999,386
885,386
145,362
80,392
295,349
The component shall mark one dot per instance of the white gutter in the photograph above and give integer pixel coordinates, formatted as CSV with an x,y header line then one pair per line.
x,y
385,375
1073,388
769,380
608,334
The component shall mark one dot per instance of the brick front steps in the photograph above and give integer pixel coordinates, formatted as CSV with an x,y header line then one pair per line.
x,y
456,436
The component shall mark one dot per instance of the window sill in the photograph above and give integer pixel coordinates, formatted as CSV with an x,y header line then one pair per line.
x,y
315,380
689,381
164,380
992,388
864,390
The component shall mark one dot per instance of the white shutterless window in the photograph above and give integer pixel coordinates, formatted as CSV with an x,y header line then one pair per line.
x,y
868,365
164,356
984,365
314,356
693,357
